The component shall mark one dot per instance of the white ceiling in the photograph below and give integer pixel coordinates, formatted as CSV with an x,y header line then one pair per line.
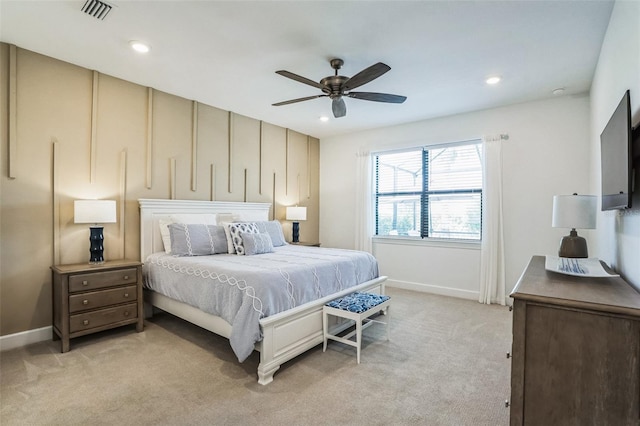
x,y
225,53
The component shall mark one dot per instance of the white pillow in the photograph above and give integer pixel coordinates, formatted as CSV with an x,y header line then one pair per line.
x,y
187,218
224,220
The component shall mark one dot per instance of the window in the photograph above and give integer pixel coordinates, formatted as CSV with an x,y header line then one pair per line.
x,y
430,192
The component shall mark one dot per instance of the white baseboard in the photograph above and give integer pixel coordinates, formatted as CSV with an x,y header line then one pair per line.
x,y
434,289
16,340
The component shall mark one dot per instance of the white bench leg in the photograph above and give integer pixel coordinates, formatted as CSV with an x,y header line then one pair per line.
x,y
324,331
388,314
358,338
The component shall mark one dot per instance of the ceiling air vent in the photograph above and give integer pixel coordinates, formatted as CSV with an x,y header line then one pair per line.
x,y
96,8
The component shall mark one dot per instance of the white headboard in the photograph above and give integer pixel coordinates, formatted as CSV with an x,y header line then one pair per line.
x,y
151,211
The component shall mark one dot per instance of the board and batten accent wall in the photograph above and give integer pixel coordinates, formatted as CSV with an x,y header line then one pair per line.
x,y
72,133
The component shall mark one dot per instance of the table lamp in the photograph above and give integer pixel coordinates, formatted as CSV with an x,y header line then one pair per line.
x,y
96,212
296,214
574,211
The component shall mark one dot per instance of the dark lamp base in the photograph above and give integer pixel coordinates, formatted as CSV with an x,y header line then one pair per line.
x,y
296,232
573,246
97,248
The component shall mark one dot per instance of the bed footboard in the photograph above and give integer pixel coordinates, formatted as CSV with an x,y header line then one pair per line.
x,y
291,333
285,335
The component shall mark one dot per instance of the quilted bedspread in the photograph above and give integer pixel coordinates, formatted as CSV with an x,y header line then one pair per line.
x,y
244,289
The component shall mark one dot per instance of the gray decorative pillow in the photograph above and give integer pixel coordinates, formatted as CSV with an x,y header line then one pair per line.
x,y
274,229
235,229
197,239
256,243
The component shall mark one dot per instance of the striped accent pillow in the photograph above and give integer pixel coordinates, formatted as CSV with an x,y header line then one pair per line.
x,y
256,243
197,239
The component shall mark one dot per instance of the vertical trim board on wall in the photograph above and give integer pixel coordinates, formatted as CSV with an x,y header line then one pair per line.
x,y
123,201
194,146
308,167
286,163
230,148
260,158
13,111
245,185
149,158
94,128
55,198
172,178
273,195
212,192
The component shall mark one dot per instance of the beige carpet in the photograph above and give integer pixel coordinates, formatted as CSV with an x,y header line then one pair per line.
x,y
444,365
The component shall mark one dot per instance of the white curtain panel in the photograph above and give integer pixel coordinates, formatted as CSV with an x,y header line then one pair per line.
x,y
492,267
364,207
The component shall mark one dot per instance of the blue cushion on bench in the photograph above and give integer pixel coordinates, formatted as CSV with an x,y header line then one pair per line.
x,y
358,302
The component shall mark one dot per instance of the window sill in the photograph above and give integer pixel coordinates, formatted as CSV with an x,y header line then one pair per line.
x,y
428,242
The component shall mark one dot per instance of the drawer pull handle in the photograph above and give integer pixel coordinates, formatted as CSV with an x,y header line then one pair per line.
x,y
85,282
126,313
126,277
85,322
126,295
85,302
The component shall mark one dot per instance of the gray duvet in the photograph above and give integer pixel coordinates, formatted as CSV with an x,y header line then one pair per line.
x,y
244,289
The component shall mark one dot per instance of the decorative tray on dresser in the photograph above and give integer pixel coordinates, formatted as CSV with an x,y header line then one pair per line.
x,y
91,298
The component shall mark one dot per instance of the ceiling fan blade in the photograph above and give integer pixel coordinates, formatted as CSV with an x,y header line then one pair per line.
x,y
300,79
366,75
339,108
293,101
377,97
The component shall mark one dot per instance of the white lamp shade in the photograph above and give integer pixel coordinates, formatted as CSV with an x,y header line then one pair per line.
x,y
94,211
574,211
296,213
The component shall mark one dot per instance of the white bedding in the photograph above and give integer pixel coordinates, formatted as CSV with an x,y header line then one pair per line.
x,y
244,289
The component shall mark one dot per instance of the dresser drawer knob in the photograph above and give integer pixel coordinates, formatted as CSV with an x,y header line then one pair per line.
x,y
126,313
85,322
126,277
85,302
126,295
85,282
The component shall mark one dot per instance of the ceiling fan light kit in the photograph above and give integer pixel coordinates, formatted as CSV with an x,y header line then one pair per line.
x,y
336,87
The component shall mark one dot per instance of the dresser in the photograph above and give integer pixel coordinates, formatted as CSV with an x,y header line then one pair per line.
x,y
576,350
91,298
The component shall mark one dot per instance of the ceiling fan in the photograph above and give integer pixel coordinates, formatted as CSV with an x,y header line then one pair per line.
x,y
337,86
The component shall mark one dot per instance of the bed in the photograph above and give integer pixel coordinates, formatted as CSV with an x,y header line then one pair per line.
x,y
292,325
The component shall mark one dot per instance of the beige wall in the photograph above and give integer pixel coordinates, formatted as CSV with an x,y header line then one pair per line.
x,y
52,161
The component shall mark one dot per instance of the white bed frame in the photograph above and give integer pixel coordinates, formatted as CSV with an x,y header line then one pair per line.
x,y
285,335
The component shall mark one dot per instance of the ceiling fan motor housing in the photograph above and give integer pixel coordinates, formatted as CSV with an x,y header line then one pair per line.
x,y
333,85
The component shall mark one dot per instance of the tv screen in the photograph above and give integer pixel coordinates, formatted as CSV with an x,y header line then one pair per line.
x,y
615,148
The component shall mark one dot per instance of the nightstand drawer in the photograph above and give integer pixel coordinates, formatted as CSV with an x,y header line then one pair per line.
x,y
98,299
102,317
95,280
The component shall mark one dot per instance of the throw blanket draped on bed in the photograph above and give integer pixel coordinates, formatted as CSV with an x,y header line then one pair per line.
x,y
244,289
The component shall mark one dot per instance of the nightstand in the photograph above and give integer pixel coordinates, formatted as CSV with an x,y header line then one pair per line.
x,y
91,298
302,243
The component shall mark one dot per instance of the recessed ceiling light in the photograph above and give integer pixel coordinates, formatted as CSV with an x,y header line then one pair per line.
x,y
324,118
139,46
493,80
559,91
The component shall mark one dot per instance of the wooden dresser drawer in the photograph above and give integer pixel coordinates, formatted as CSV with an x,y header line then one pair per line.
x,y
98,299
101,317
96,280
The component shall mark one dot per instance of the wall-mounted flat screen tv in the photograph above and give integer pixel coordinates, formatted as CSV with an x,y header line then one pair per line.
x,y
616,158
